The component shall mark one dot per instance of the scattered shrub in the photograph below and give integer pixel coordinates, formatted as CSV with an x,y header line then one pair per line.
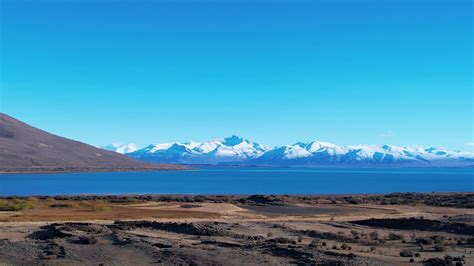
x,y
32,199
406,253
424,241
439,248
313,244
283,240
85,240
190,206
62,205
345,246
437,239
393,236
435,261
101,208
374,235
16,205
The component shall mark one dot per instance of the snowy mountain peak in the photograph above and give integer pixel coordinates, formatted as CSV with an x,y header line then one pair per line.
x,y
121,148
232,141
295,151
237,150
318,145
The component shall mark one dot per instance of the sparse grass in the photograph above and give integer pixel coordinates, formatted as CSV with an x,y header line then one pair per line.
x,y
101,208
32,199
76,209
16,205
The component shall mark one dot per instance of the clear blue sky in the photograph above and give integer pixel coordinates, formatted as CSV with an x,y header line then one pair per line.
x,y
394,71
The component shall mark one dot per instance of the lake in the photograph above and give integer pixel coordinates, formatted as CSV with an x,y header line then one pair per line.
x,y
242,181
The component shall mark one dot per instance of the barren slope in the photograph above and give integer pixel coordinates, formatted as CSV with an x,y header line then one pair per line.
x,y
24,148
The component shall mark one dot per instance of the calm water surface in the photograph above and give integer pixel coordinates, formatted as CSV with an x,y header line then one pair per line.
x,y
243,181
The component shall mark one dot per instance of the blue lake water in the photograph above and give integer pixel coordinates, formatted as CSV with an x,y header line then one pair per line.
x,y
242,181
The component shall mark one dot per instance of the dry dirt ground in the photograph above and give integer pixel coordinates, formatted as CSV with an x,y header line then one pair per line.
x,y
238,230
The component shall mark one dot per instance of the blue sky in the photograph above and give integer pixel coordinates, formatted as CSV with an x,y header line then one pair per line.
x,y
277,72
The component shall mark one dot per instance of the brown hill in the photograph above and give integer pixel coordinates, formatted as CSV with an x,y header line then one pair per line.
x,y
24,148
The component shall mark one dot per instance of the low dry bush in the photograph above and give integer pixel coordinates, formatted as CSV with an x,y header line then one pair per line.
x,y
16,205
393,236
62,205
101,208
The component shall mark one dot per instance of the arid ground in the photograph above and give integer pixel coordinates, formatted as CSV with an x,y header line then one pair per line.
x,y
393,229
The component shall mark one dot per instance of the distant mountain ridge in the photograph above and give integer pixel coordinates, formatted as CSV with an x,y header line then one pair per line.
x,y
239,151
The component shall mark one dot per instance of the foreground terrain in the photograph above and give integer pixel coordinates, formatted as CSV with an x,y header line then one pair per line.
x,y
430,229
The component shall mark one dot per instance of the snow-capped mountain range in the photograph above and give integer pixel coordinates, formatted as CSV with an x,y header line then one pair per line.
x,y
238,151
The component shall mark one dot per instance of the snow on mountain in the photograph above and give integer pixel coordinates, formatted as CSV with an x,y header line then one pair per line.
x,y
319,145
236,150
209,152
238,147
121,148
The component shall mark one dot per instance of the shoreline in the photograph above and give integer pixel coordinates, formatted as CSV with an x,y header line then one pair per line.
x,y
75,171
179,167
